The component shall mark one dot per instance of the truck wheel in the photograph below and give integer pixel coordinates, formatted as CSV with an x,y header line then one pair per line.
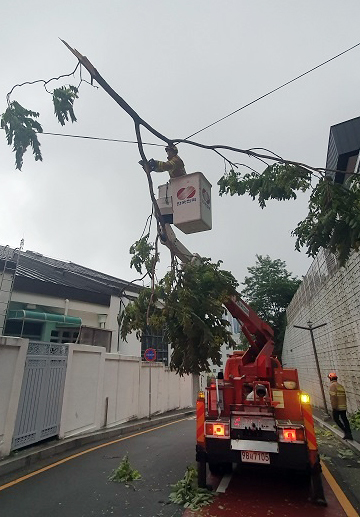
x,y
317,495
215,468
201,471
227,466
219,469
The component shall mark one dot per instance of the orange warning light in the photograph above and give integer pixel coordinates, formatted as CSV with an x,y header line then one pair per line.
x,y
289,435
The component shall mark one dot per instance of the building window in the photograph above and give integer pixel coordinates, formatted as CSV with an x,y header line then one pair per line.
x,y
27,329
95,337
64,335
151,339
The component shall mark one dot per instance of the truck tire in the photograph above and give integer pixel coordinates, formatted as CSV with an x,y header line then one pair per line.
x,y
201,471
317,495
219,469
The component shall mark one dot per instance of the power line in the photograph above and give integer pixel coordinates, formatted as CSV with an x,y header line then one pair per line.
x,y
213,123
272,91
100,138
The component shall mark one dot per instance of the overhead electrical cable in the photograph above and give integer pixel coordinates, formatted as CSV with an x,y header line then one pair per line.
x,y
100,138
217,121
272,91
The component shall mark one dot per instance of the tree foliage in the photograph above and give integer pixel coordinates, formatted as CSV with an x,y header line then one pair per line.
x,y
333,220
269,289
187,305
143,255
21,126
276,182
63,100
187,493
124,473
21,130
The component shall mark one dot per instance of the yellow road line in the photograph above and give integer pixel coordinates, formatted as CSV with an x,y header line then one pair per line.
x,y
52,465
341,497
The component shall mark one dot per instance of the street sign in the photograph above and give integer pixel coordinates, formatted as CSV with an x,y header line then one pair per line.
x,y
150,354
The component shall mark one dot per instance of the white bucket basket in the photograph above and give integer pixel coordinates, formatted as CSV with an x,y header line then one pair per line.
x,y
188,198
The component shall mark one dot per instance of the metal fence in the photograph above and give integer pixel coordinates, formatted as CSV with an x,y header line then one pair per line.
x,y
40,403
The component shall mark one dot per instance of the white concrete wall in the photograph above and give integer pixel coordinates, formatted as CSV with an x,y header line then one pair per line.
x,y
101,389
327,295
12,363
104,389
83,390
121,388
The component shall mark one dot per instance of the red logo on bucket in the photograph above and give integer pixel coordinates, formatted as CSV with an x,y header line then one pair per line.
x,y
186,193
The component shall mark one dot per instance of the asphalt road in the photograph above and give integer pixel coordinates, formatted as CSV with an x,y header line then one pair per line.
x,y
80,487
256,492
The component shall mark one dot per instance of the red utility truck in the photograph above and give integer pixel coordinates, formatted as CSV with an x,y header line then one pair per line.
x,y
256,413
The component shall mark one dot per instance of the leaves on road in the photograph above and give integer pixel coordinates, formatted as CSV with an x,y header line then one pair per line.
x,y
124,473
187,493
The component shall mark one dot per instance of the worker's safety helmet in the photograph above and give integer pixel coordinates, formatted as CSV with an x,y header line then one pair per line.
x,y
332,376
171,147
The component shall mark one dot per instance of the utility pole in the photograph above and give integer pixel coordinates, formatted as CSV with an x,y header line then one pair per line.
x,y
311,329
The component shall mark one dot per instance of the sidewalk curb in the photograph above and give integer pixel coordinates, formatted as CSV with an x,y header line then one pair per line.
x,y
352,444
24,459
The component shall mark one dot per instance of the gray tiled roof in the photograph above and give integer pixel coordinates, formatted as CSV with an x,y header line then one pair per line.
x,y
35,266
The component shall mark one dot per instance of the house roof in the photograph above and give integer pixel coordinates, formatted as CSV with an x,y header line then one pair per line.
x,y
45,275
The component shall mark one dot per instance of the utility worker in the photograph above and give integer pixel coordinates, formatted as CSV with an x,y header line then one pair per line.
x,y
174,165
338,404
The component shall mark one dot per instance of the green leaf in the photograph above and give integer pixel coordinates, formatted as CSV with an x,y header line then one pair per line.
x,y
333,219
63,100
187,306
21,130
124,473
143,255
269,289
186,492
278,181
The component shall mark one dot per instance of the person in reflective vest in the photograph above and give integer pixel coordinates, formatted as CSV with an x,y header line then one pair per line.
x,y
174,164
338,404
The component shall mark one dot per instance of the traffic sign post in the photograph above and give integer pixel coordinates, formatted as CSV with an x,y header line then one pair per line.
x,y
150,356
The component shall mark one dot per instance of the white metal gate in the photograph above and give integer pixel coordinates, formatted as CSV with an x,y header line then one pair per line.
x,y
42,390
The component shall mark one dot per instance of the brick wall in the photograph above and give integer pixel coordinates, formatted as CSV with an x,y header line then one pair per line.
x,y
331,295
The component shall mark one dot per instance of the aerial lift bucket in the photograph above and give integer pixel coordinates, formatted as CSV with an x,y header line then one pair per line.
x,y
186,202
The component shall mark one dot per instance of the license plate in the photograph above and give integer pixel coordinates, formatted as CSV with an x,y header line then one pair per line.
x,y
255,457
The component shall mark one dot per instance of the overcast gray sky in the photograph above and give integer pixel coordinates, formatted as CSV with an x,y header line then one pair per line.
x,y
181,65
